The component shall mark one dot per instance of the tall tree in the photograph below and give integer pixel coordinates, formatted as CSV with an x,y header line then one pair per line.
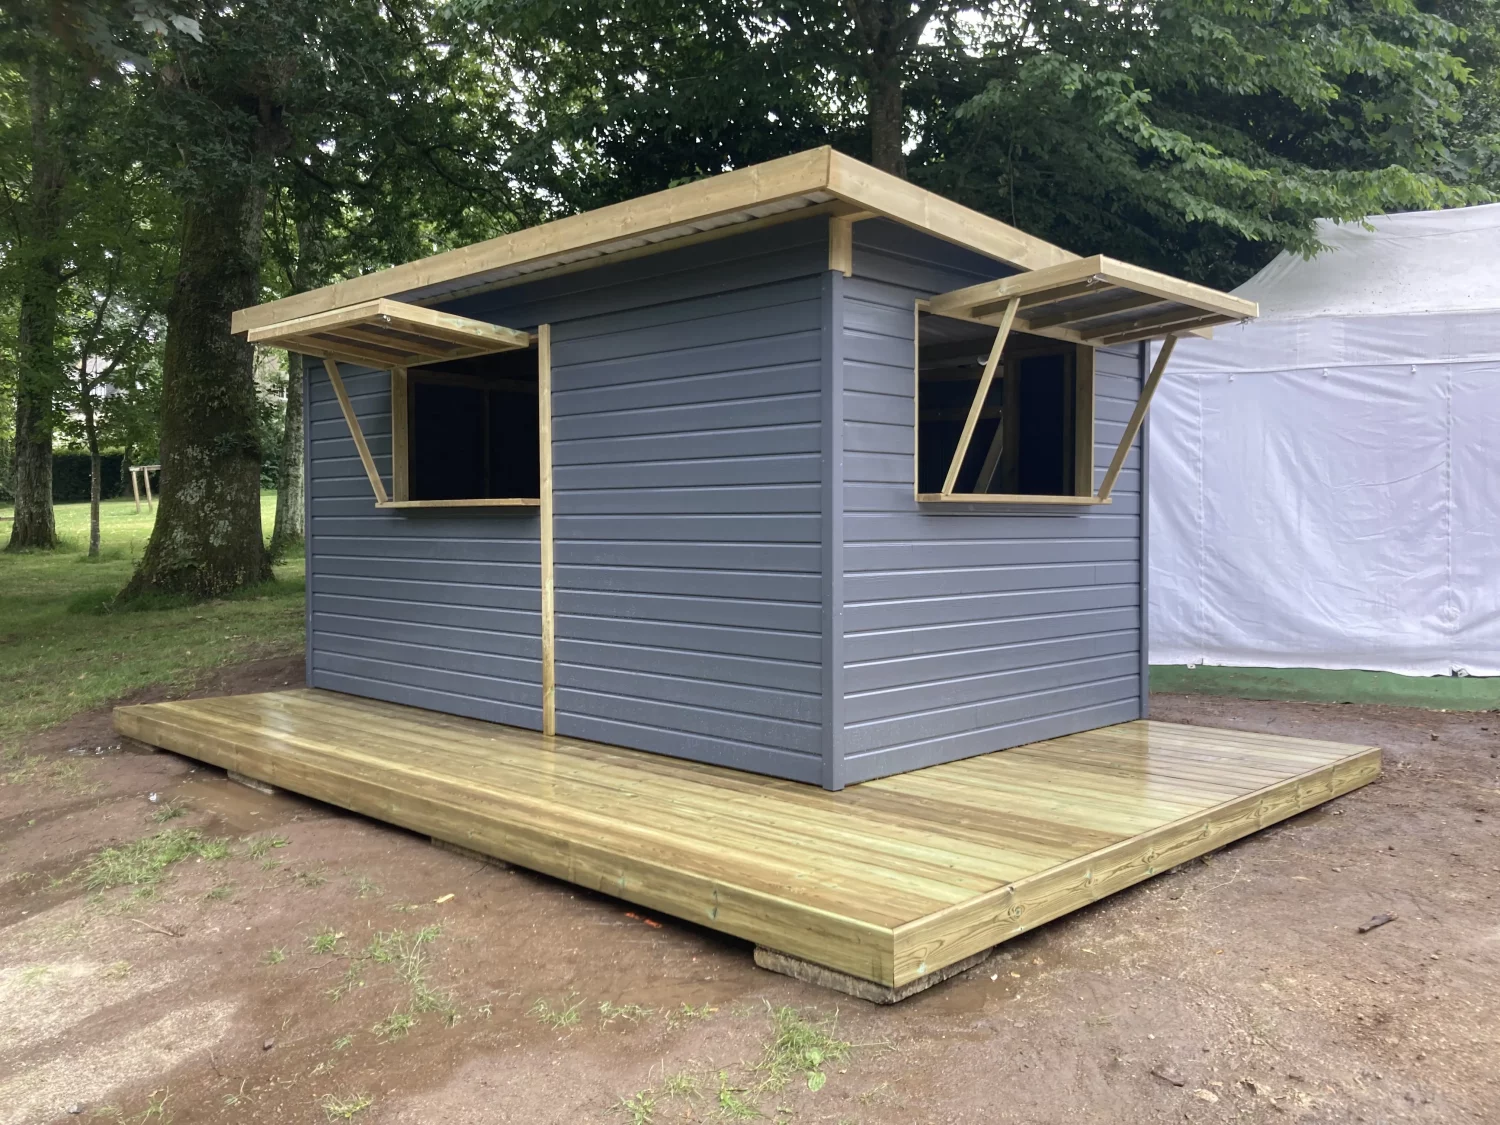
x,y
1201,135
37,210
350,96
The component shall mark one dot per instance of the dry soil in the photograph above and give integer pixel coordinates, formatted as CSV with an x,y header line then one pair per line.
x,y
1233,989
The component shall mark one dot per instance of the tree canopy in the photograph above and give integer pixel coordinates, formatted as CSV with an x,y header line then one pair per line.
x,y
184,159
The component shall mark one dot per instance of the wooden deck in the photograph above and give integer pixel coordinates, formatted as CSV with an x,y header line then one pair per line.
x,y
887,881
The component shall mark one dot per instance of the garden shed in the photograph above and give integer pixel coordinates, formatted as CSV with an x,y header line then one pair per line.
x,y
799,471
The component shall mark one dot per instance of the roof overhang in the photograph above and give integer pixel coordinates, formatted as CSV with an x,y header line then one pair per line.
x,y
1097,301
387,334
776,191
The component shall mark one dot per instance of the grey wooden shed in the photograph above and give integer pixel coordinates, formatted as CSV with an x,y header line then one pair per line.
x,y
799,469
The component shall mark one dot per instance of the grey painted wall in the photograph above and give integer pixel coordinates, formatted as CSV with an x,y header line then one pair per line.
x,y
742,574
969,629
687,406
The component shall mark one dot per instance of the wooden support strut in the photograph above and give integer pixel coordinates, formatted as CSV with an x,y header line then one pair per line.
x,y
977,406
332,367
1137,417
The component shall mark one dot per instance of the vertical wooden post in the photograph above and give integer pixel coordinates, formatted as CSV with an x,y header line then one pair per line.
x,y
544,429
400,437
146,480
135,490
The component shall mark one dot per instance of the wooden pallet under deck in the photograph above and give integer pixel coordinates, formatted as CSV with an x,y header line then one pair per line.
x,y
888,881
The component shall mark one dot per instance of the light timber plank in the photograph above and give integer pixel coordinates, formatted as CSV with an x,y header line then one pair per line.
x,y
891,882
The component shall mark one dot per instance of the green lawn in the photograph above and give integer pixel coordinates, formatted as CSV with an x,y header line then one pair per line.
x,y
63,651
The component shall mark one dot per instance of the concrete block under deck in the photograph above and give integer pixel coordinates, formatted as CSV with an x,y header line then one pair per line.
x,y
890,881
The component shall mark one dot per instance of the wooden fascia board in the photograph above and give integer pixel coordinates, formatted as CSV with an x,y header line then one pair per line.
x,y
819,170
449,327
891,197
1067,277
719,195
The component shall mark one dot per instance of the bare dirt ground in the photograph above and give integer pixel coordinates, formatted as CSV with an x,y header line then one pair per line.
x,y
331,967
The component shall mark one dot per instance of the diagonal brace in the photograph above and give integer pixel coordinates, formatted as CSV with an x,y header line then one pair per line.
x,y
1137,417
982,393
332,367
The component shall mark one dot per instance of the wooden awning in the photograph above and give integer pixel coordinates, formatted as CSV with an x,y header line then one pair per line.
x,y
1097,301
387,334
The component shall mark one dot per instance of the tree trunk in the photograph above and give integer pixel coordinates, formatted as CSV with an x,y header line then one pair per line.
x,y
207,538
38,371
288,530
887,123
91,435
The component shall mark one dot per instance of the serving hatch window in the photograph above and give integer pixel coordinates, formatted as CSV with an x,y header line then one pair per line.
x,y
472,428
1033,436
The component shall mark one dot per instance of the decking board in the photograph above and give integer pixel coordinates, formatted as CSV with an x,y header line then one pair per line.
x,y
887,881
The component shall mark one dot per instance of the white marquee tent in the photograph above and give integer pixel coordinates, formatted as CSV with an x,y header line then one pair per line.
x,y
1325,481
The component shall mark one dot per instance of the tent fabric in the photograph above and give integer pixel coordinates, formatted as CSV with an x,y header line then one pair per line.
x,y
1325,487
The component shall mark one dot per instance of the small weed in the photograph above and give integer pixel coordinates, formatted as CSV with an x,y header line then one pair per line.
x,y
309,877
799,1048
273,956
344,1108
214,849
258,846
219,893
557,1018
350,980
156,1108
682,1085
171,810
324,941
687,1014
394,1026
35,975
632,1013
364,887
270,864
731,1104
342,1041
143,863
639,1109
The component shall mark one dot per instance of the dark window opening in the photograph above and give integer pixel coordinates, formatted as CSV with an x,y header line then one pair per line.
x,y
472,429
1034,433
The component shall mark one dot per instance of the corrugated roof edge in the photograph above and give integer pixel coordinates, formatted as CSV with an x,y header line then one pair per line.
x,y
819,171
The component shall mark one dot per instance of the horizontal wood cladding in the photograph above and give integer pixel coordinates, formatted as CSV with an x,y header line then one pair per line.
x,y
686,470
967,631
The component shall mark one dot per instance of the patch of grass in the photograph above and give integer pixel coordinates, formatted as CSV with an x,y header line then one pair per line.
x,y
219,893
118,971
342,1041
631,1013
34,975
682,1085
394,1026
273,956
52,773
344,1107
69,648
324,941
309,877
144,862
639,1108
364,887
257,846
557,1018
688,1014
170,810
732,1102
799,1048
